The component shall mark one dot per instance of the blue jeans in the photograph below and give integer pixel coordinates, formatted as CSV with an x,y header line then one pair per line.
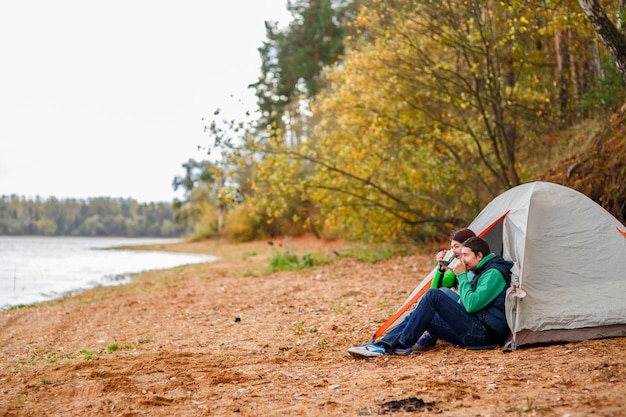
x,y
450,293
444,318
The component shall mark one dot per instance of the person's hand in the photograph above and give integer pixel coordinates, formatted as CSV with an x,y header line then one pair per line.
x,y
459,268
440,255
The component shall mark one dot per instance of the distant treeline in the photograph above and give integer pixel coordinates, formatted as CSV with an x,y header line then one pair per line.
x,y
100,216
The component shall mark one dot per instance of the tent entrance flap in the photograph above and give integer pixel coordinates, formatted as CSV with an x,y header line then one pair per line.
x,y
493,234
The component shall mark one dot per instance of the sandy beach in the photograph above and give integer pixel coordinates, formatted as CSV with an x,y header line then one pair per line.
x,y
228,338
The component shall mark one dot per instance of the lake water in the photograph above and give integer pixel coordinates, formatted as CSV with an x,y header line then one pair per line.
x,y
35,269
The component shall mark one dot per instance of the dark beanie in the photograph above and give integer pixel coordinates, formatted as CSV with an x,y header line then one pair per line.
x,y
462,235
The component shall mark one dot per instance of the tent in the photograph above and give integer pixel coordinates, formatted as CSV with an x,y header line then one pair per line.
x,y
569,279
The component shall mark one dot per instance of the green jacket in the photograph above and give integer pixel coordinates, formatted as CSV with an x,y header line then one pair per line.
x,y
448,279
490,285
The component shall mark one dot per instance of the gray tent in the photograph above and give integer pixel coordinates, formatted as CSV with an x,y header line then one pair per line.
x,y
569,279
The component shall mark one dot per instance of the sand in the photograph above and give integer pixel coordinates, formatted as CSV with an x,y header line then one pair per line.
x,y
227,338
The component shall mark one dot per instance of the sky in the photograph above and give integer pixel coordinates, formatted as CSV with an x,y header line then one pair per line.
x,y
107,98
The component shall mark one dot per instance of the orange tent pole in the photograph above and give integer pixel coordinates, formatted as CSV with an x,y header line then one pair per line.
x,y
400,312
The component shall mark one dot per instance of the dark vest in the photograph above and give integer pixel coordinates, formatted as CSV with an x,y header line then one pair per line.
x,y
493,316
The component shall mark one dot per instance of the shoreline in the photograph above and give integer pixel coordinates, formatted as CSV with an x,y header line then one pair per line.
x,y
39,269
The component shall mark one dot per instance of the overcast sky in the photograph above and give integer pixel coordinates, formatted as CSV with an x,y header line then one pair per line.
x,y
106,98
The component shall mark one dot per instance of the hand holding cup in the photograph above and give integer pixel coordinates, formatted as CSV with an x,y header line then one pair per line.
x,y
459,268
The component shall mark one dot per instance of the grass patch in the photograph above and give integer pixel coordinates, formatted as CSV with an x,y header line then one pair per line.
x,y
88,354
55,357
18,306
288,261
246,255
298,328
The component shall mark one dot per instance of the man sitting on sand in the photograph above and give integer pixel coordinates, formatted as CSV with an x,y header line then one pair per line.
x,y
478,319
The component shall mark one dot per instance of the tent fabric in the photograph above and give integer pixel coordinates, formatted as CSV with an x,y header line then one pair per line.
x,y
569,279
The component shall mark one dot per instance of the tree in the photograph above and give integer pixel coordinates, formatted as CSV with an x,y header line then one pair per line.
x,y
292,59
197,212
425,92
196,172
429,95
292,62
100,216
613,39
433,109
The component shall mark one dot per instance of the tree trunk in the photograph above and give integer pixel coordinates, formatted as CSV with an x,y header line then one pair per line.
x,y
222,209
613,39
221,218
564,83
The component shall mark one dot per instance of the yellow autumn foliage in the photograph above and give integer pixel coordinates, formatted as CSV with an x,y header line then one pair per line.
x,y
434,109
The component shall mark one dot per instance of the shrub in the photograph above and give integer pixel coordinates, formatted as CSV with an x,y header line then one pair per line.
x,y
240,226
287,261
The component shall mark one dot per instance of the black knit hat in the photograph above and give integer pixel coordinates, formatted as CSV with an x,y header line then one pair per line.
x,y
462,235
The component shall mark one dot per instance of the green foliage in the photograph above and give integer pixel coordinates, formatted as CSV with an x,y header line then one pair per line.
x,y
198,211
529,408
196,173
292,58
88,354
54,356
18,306
112,347
288,261
605,94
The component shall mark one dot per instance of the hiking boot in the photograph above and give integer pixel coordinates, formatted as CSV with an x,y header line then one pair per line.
x,y
426,342
403,351
366,351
